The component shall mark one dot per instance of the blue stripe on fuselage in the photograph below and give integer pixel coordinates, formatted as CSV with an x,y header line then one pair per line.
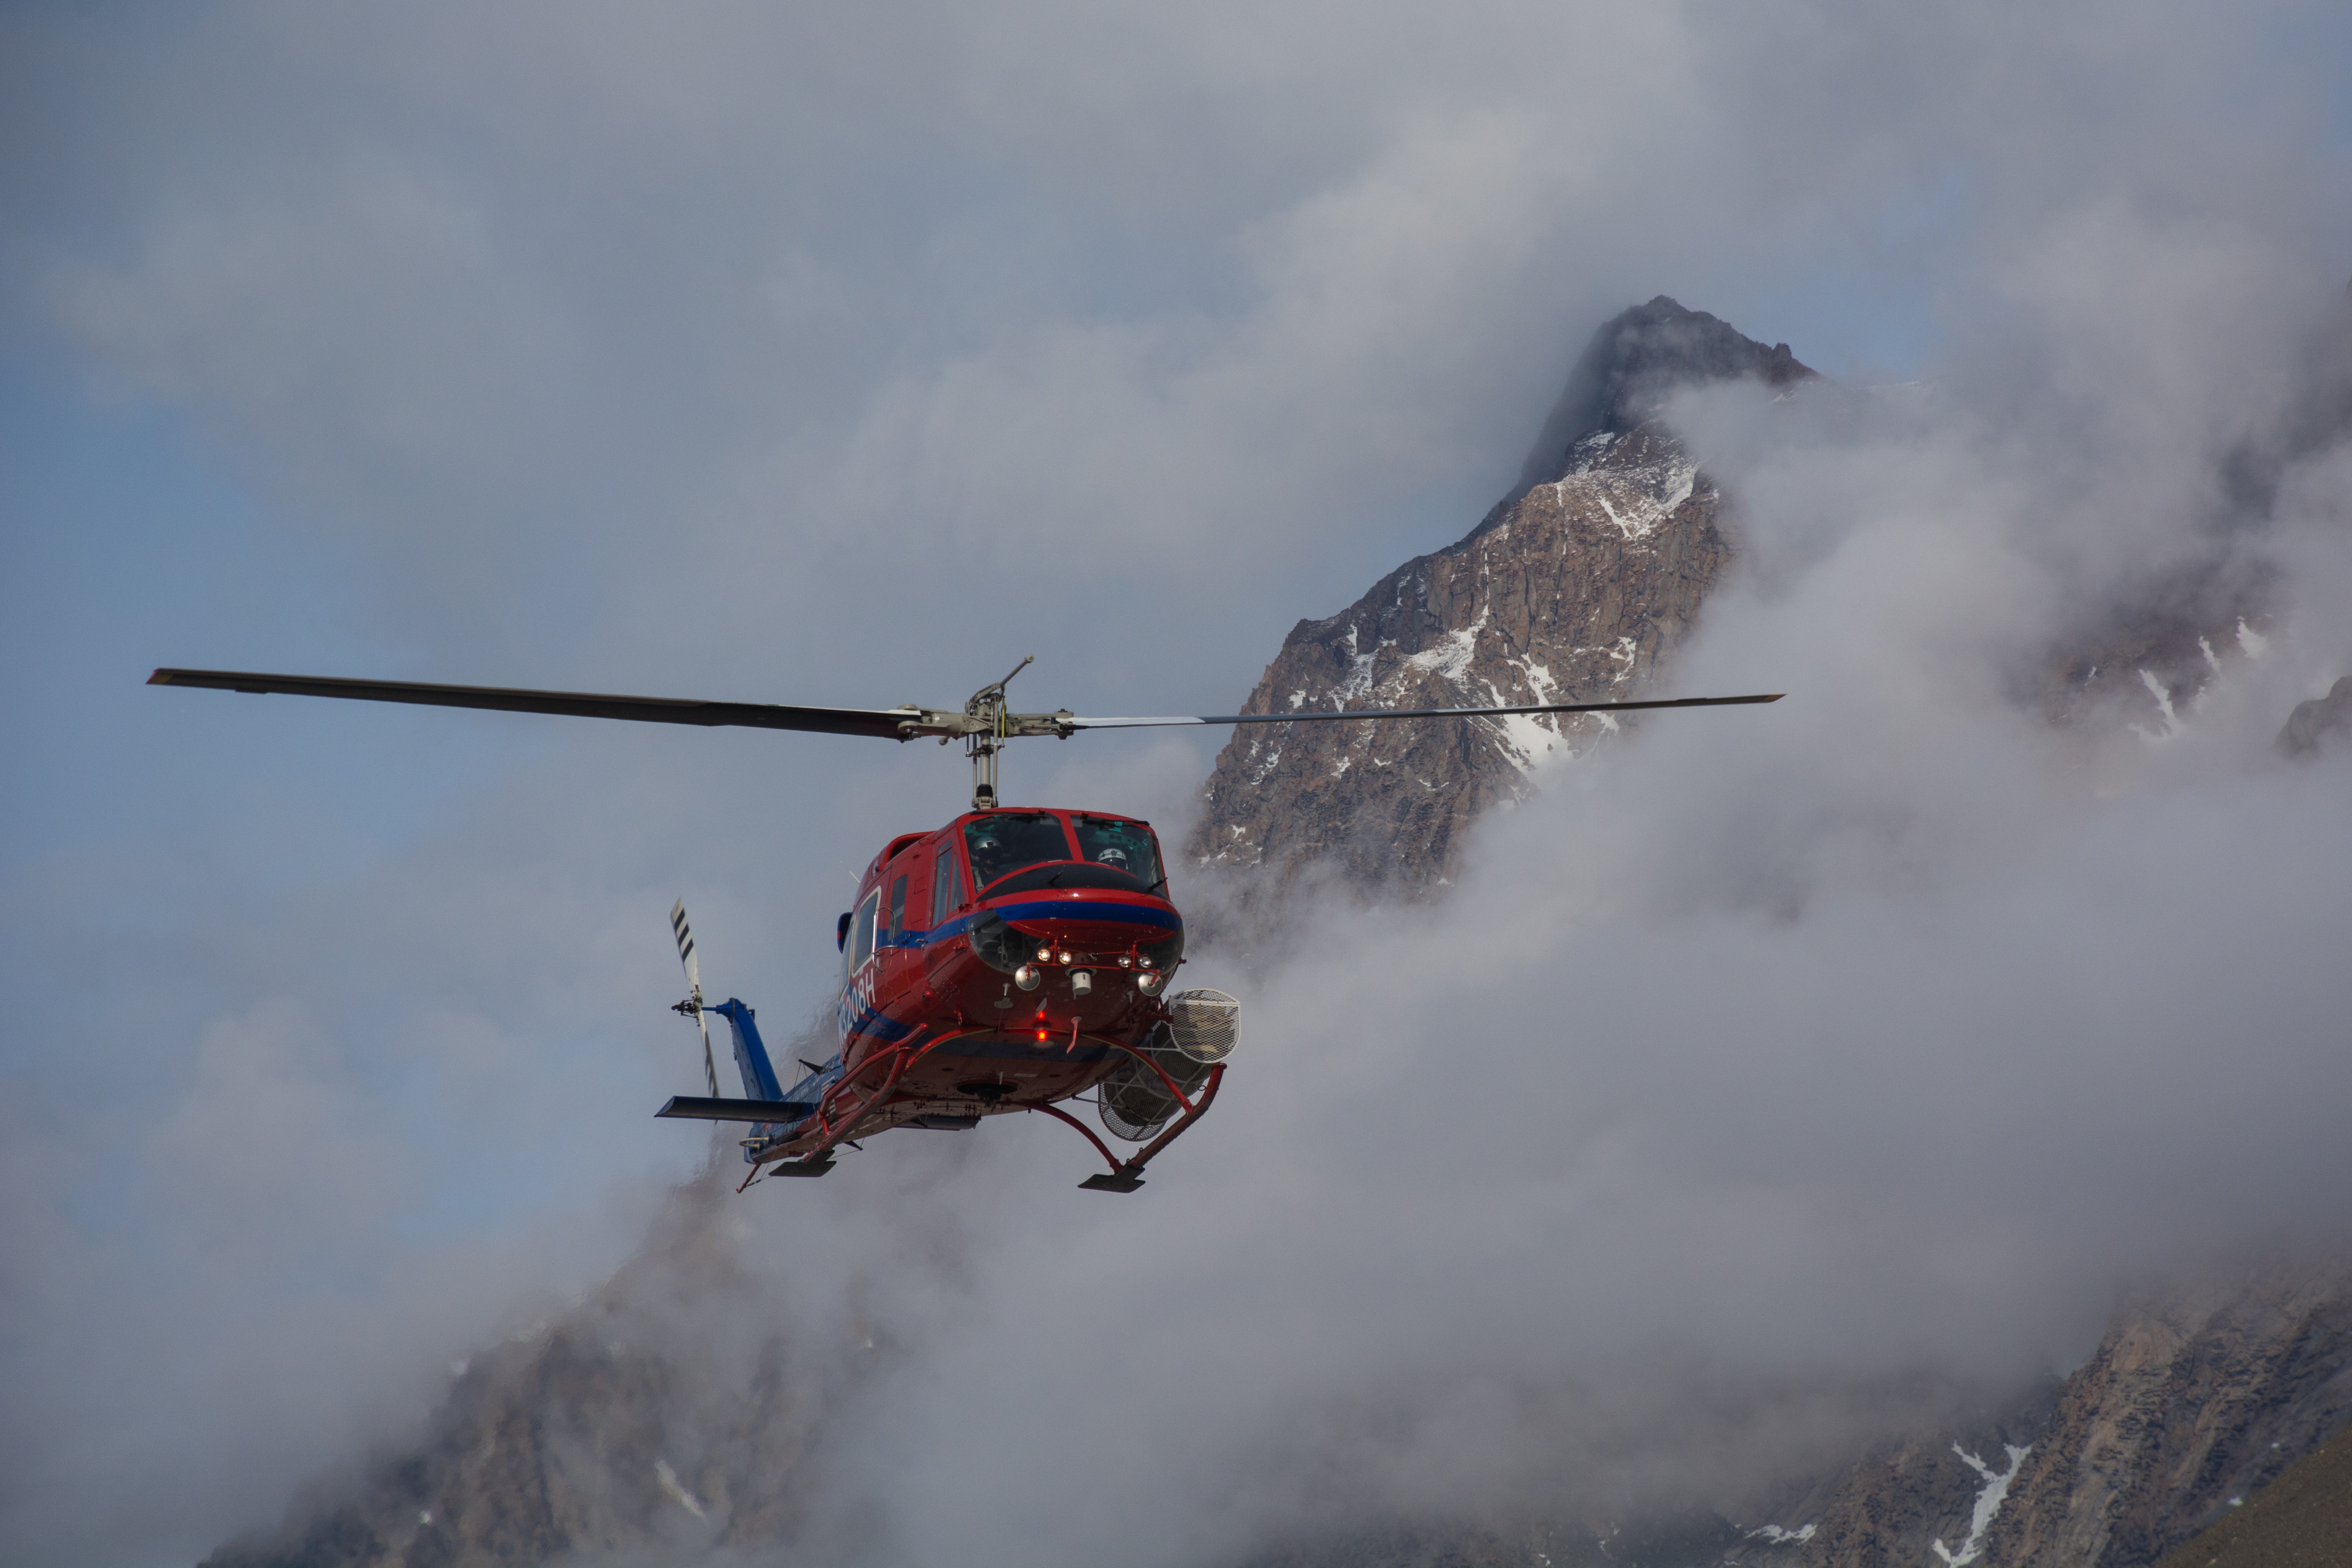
x,y
1113,914
1088,909
936,934
871,1021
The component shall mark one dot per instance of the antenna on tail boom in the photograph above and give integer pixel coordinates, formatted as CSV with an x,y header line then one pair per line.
x,y
692,1005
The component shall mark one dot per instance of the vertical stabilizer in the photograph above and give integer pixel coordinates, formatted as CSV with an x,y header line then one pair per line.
x,y
751,1054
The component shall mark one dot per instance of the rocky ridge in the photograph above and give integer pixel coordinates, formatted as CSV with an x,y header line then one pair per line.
x,y
2320,721
2301,1521
1575,588
2194,1401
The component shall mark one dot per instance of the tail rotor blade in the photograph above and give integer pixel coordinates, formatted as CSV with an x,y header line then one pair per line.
x,y
684,935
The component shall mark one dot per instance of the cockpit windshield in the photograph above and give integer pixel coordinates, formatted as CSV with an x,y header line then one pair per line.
x,y
1120,844
1004,841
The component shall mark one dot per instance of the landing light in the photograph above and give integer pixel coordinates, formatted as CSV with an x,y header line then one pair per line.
x,y
1149,984
1045,954
1127,960
1027,978
1065,958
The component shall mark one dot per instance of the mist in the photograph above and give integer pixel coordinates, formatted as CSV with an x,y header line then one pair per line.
x,y
1775,1079
1773,1076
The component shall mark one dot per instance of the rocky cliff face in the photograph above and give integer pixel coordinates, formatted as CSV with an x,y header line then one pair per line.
x,y
2322,721
2196,1397
1575,588
2190,1406
2302,1519
2194,1401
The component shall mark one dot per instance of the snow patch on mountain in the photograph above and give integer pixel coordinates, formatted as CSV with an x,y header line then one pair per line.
x,y
2171,728
675,1490
1989,1501
1453,653
1638,500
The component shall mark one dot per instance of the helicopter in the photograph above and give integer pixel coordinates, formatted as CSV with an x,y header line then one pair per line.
x,y
1007,963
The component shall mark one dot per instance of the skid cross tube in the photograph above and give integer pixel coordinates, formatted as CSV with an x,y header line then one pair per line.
x,y
903,1059
1208,1093
832,1135
1084,1131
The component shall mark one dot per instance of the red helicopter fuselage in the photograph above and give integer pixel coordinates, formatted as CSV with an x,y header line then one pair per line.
x,y
1006,961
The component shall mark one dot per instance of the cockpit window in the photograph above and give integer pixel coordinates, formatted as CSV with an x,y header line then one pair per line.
x,y
1004,841
1120,844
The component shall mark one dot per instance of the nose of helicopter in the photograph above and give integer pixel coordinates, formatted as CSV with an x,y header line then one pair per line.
x,y
1096,928
1091,919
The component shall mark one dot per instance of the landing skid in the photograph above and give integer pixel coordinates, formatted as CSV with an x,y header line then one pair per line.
x,y
813,1168
1127,1175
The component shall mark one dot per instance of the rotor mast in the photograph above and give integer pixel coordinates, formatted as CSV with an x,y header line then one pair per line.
x,y
987,733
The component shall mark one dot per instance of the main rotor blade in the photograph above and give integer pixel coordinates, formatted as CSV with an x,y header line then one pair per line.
x,y
884,722
1418,712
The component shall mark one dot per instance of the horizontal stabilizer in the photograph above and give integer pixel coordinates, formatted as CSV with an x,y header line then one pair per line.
x,y
696,1107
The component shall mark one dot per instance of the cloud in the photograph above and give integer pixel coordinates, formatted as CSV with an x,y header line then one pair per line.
x,y
1774,1079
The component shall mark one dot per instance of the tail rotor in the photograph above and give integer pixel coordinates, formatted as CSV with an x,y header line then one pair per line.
x,y
692,1005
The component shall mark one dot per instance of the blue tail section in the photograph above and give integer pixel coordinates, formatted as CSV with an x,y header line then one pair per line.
x,y
760,1082
751,1054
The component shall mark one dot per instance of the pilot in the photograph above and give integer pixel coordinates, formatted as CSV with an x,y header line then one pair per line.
x,y
1113,857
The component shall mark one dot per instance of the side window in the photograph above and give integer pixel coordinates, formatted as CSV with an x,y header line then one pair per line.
x,y
947,890
861,931
897,910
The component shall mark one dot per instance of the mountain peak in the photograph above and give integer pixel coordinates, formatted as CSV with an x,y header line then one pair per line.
x,y
1637,360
